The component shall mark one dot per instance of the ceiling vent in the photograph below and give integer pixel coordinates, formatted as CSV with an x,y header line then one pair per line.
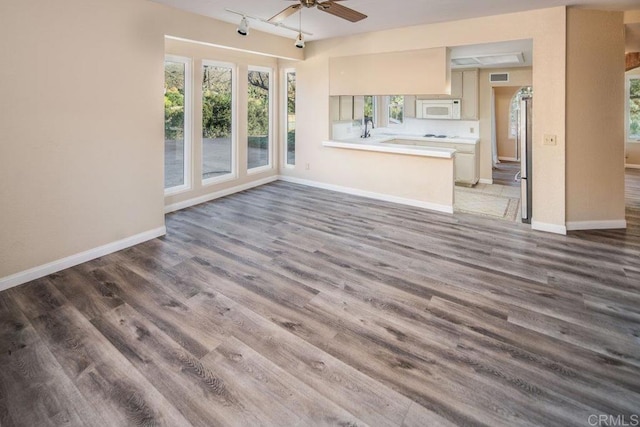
x,y
499,77
497,59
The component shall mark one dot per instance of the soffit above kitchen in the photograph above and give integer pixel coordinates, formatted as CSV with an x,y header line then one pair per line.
x,y
381,14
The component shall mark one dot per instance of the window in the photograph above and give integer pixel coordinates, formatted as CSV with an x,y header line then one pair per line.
x,y
632,127
514,113
177,118
396,110
259,118
290,117
218,122
370,109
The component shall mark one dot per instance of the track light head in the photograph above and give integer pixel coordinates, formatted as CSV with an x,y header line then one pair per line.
x,y
300,41
243,28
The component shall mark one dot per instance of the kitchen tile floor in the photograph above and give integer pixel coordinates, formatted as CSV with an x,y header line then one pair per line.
x,y
490,200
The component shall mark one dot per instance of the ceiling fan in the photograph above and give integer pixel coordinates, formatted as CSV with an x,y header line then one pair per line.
x,y
329,6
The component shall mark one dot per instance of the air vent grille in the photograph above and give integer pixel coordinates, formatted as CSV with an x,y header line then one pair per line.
x,y
499,77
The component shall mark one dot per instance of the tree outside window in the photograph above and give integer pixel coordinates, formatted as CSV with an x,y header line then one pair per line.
x,y
396,110
633,131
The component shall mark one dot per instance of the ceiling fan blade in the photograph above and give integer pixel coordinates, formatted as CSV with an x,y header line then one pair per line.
x,y
341,11
285,13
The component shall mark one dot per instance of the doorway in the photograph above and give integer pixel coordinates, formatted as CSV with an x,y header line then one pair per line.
x,y
502,197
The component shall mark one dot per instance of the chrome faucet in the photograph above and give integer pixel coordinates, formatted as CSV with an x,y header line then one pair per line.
x,y
367,132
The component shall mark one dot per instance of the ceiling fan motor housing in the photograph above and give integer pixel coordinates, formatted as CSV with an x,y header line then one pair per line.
x,y
308,3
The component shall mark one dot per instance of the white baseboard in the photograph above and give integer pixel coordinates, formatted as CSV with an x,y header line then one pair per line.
x,y
486,181
631,166
212,196
508,159
549,228
73,260
369,194
596,225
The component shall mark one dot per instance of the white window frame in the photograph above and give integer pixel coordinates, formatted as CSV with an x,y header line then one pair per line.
x,y
285,113
234,124
269,165
627,108
188,124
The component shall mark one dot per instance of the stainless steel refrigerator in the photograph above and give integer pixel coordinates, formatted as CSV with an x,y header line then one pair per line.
x,y
525,133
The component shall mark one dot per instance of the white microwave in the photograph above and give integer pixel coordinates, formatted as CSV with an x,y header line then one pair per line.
x,y
448,109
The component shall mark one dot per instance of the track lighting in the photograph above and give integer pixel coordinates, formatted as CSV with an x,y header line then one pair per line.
x,y
243,28
300,40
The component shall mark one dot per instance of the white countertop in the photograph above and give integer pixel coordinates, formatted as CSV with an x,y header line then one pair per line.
x,y
374,144
453,139
382,143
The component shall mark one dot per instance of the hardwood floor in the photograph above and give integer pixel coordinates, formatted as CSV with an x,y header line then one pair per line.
x,y
286,305
504,173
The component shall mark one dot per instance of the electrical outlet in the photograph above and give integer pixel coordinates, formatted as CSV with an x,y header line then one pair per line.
x,y
472,130
307,166
550,139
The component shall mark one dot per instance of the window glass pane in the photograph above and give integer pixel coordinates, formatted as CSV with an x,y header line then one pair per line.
x,y
174,135
369,108
291,118
258,119
217,92
634,108
396,110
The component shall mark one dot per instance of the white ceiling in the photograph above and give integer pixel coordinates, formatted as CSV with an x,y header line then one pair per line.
x,y
383,14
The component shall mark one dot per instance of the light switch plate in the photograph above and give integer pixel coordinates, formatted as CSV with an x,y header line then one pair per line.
x,y
550,139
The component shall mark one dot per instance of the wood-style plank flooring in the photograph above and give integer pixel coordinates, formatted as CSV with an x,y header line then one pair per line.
x,y
504,173
290,306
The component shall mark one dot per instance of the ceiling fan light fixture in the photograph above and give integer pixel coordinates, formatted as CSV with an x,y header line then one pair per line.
x,y
299,41
243,28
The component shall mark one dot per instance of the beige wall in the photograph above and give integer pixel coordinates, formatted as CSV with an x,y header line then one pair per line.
x,y
198,53
506,144
595,102
520,77
81,147
545,27
416,71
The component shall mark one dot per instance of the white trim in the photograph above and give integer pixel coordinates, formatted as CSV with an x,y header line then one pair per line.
x,y
270,145
508,159
208,182
596,225
259,169
216,195
369,194
234,123
188,124
486,181
381,146
631,166
73,260
549,228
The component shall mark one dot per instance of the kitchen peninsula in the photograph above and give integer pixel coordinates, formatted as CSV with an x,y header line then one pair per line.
x,y
465,150
409,169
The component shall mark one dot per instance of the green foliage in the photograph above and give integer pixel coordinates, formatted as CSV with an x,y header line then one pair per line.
x,y
173,114
396,109
258,104
291,93
634,107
